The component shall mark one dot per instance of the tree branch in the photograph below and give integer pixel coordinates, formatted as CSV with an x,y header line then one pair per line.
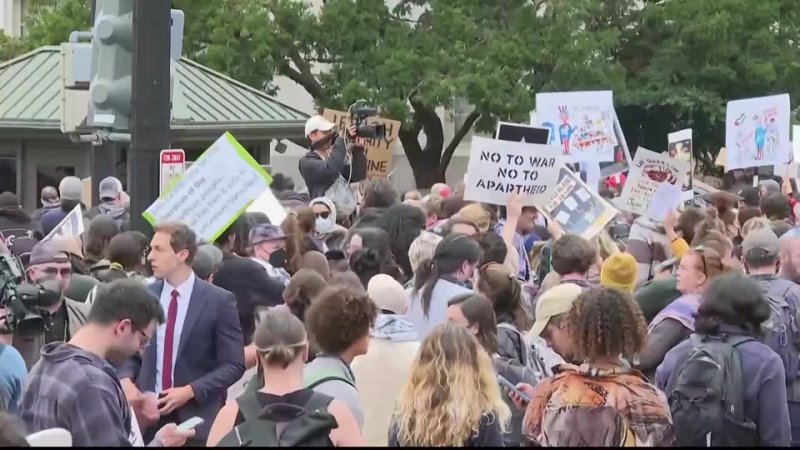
x,y
447,154
308,82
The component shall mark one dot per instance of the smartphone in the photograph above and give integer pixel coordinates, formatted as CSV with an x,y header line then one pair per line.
x,y
191,424
507,384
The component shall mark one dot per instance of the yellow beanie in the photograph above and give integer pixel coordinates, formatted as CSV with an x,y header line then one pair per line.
x,y
619,271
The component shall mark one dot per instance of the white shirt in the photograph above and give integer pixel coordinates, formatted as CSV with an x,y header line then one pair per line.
x,y
184,295
281,274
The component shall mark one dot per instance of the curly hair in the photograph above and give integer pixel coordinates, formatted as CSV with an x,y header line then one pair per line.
x,y
452,384
339,317
606,322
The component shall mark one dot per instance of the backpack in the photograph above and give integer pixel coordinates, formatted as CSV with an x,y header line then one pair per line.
x,y
706,395
529,357
282,424
782,333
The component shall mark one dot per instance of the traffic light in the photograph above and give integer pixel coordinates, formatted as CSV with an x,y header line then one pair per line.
x,y
112,65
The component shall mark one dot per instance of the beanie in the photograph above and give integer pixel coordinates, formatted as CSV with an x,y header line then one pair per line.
x,y
619,271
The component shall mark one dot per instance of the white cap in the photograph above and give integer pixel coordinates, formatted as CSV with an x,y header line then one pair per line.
x,y
318,123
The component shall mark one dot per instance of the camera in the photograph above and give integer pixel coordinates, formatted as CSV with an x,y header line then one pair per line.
x,y
21,300
364,129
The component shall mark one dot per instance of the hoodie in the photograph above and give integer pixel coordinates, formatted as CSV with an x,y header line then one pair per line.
x,y
649,244
119,214
76,390
382,372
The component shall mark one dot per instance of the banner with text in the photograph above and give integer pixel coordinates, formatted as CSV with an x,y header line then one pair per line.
x,y
757,132
379,151
582,122
649,171
577,209
498,168
214,191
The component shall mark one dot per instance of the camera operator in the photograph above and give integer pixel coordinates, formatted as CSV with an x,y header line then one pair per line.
x,y
62,316
328,157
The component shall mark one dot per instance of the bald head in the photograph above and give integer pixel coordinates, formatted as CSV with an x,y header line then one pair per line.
x,y
790,255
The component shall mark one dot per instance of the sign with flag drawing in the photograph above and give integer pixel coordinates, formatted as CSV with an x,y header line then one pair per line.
x,y
71,225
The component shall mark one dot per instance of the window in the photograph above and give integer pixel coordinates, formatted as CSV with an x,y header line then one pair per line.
x,y
8,174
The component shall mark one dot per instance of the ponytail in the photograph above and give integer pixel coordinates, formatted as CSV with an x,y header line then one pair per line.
x,y
427,276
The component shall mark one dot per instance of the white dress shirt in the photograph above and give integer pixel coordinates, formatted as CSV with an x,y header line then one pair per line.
x,y
184,295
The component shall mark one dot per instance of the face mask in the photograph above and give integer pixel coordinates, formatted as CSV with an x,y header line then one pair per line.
x,y
278,258
324,226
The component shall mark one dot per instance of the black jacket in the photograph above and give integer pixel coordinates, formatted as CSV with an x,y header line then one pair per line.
x,y
17,225
320,174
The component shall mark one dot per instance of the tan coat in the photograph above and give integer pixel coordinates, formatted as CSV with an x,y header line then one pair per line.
x,y
30,347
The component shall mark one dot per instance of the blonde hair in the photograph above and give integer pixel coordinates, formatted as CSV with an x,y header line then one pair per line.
x,y
280,338
451,386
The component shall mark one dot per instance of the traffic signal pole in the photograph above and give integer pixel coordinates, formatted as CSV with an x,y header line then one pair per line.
x,y
150,115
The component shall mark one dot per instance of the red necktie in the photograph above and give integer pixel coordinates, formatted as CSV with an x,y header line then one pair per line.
x,y
169,335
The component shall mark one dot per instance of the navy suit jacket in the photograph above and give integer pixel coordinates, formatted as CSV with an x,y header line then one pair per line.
x,y
210,355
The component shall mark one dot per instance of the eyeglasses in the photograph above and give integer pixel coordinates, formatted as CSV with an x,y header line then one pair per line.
x,y
64,272
323,215
700,250
147,338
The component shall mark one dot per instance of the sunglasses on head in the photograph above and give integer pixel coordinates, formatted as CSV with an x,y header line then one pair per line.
x,y
323,215
700,250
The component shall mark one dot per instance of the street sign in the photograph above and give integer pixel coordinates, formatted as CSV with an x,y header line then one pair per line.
x,y
173,164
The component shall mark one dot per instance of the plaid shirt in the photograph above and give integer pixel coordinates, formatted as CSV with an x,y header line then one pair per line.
x,y
76,390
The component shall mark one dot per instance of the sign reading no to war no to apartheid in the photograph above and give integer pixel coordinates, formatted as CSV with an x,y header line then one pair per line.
x,y
498,168
214,191
379,151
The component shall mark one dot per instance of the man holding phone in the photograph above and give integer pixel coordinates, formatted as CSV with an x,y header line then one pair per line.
x,y
74,386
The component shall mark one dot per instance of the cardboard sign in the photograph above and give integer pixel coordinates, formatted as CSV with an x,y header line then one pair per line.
x,y
172,167
757,132
71,225
583,123
498,168
679,146
649,170
576,208
525,134
214,191
379,152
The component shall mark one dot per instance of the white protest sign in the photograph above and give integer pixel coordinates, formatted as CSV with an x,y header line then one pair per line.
x,y
173,165
268,204
666,198
796,142
576,208
214,191
679,146
649,170
757,132
71,225
498,168
582,122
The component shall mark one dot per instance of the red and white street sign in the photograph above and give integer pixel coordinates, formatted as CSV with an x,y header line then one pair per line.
x,y
173,164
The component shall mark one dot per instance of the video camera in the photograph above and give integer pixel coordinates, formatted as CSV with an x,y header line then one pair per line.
x,y
359,113
21,300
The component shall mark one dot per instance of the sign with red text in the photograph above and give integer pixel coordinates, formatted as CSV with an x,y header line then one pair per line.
x,y
173,165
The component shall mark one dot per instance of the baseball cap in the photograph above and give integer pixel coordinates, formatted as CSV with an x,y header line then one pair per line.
x,y
771,186
110,187
70,188
387,293
555,301
763,239
750,196
203,263
47,252
318,123
619,271
49,193
265,233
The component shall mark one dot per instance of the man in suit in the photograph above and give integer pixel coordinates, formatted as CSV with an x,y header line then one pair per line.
x,y
197,353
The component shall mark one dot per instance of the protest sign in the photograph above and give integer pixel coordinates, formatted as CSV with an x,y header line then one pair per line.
x,y
71,225
498,168
268,204
666,198
796,142
379,151
525,134
757,132
214,191
576,208
649,170
590,174
679,146
583,123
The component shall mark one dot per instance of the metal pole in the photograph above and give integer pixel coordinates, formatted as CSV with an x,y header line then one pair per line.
x,y
103,157
150,132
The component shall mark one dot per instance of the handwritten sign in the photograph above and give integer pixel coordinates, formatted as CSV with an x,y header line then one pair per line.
x,y
757,132
214,191
649,170
577,209
498,168
379,151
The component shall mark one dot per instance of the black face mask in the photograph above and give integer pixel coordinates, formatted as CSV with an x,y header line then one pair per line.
x,y
278,258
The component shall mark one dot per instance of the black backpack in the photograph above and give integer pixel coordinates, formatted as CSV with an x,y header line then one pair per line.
x,y
282,424
706,395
